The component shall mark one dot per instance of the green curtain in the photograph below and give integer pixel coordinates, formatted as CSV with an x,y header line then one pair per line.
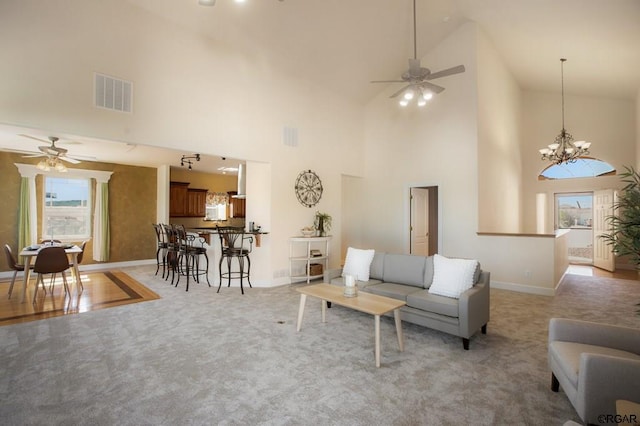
x,y
101,235
24,214
106,235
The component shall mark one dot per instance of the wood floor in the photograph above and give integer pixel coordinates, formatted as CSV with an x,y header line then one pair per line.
x,y
101,290
591,271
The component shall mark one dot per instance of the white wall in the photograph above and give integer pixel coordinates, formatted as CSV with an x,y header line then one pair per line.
x,y
609,124
638,131
190,93
499,156
353,211
433,146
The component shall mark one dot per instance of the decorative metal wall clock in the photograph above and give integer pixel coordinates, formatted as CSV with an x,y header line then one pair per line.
x,y
308,188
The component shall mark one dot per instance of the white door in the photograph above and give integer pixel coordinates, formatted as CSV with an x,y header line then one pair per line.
x,y
419,221
602,208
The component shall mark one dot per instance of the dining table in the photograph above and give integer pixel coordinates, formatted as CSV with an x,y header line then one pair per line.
x,y
30,252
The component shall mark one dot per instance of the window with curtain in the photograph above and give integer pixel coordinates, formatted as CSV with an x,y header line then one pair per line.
x,y
66,213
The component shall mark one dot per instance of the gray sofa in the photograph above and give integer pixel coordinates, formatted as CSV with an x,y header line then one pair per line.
x,y
408,277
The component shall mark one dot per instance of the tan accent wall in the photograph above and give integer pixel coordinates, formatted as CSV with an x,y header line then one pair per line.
x,y
132,208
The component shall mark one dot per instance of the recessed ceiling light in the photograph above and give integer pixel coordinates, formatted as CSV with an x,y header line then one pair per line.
x,y
227,169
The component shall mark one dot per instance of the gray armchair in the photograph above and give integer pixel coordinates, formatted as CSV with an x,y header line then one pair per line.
x,y
596,365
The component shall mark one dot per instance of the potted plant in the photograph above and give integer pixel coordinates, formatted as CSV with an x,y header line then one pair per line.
x,y
322,223
625,222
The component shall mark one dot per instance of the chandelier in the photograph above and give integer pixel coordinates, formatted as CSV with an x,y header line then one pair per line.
x,y
564,149
51,163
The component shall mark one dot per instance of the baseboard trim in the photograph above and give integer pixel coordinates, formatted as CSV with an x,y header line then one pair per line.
x,y
521,288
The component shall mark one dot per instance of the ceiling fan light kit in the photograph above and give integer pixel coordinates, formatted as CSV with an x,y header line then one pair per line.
x,y
416,77
53,154
564,149
51,163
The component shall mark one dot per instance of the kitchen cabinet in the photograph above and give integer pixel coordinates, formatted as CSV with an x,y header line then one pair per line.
x,y
196,202
185,201
178,198
236,206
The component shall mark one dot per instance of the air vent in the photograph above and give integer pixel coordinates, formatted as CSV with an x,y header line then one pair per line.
x,y
290,136
113,93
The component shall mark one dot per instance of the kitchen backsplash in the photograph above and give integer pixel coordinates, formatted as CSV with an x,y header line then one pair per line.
x,y
197,222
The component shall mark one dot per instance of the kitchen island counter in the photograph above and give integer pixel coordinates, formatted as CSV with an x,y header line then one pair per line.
x,y
206,232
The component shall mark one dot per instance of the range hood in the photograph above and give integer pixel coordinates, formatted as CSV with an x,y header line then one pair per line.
x,y
242,183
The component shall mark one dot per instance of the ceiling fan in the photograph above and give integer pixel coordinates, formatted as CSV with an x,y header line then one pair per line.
x,y
52,151
417,77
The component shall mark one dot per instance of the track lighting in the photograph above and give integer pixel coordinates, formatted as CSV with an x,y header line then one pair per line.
x,y
189,159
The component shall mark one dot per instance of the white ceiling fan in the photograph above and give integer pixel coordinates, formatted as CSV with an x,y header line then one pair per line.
x,y
417,77
52,151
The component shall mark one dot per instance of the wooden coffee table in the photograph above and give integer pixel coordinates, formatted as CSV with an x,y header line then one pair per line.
x,y
364,302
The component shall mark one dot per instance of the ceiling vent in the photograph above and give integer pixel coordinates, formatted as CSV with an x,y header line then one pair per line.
x,y
113,93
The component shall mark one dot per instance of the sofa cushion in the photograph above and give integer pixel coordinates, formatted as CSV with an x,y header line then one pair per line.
x,y
476,273
428,272
567,355
433,303
377,266
452,277
404,269
358,263
395,291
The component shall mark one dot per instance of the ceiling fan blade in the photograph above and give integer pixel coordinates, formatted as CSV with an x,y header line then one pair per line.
x,y
449,71
401,90
388,81
34,155
69,159
432,87
34,138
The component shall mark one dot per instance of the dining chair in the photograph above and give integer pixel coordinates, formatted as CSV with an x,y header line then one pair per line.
x,y
79,258
14,265
50,260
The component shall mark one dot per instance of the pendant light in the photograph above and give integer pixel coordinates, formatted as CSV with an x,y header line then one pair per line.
x,y
564,149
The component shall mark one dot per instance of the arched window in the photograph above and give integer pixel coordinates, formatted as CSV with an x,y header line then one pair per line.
x,y
583,167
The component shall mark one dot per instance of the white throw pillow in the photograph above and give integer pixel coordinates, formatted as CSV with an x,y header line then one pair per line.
x,y
452,277
358,263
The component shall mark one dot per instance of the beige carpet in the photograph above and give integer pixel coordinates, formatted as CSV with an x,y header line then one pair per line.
x,y
199,357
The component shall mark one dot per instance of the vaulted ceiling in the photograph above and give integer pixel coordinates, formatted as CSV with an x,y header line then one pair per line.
x,y
342,45
345,44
